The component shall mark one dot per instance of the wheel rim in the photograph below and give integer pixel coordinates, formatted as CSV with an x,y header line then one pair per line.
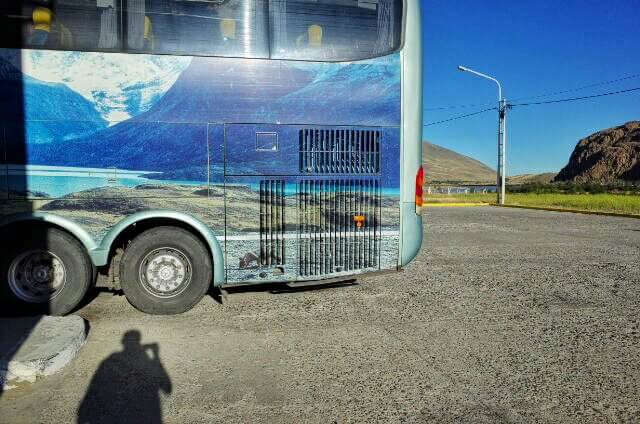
x,y
165,272
37,276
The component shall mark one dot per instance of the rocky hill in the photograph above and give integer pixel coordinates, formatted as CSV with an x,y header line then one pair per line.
x,y
444,165
606,156
544,178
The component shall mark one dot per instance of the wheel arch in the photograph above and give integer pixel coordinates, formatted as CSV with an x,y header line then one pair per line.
x,y
101,254
55,221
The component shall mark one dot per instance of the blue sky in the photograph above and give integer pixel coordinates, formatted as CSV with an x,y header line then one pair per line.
x,y
532,47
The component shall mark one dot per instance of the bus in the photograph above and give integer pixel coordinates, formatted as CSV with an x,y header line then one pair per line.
x,y
165,147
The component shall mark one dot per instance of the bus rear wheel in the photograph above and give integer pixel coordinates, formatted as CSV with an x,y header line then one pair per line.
x,y
44,271
165,270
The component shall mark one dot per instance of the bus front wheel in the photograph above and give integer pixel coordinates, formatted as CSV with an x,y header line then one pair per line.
x,y
165,270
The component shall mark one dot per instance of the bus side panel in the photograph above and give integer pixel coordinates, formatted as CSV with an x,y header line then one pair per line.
x,y
110,163
262,221
292,194
85,146
105,135
97,198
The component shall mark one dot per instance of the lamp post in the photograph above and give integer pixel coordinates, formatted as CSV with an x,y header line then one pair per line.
x,y
502,133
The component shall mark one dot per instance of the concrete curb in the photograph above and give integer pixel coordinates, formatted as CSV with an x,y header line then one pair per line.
x,y
35,347
542,208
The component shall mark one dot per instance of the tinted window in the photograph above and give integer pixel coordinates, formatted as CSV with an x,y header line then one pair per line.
x,y
334,30
200,27
61,24
235,28
331,30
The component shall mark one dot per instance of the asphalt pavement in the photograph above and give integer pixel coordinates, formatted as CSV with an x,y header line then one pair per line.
x,y
506,316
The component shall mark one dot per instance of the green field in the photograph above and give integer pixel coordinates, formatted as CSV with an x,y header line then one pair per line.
x,y
616,203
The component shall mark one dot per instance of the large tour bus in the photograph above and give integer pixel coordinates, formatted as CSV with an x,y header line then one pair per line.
x,y
165,146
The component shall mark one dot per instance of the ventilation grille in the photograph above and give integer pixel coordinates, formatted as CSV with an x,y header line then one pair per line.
x,y
339,151
272,244
330,240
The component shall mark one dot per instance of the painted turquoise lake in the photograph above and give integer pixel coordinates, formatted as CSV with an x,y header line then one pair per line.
x,y
59,181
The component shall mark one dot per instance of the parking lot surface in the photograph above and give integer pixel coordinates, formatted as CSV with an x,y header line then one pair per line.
x,y
507,316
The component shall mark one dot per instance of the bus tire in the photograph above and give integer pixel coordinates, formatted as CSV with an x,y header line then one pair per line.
x,y
43,271
165,271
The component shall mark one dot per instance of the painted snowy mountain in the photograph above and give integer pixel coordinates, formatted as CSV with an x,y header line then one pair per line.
x,y
236,90
40,112
171,137
120,86
227,90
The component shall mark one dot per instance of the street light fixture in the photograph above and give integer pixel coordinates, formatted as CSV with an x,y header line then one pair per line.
x,y
502,133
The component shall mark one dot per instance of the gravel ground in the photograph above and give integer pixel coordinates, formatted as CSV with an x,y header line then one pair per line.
x,y
507,315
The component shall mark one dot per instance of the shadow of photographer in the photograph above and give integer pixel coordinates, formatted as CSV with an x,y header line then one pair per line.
x,y
127,385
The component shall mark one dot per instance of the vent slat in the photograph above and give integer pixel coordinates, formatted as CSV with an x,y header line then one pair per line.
x,y
330,240
339,151
272,223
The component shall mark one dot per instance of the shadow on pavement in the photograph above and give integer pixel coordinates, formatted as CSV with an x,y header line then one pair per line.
x,y
15,198
218,294
127,385
277,288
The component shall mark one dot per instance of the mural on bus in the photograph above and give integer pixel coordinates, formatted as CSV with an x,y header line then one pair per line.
x,y
95,137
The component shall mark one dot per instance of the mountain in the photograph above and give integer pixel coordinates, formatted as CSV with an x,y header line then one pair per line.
x,y
606,156
367,93
444,165
8,72
234,90
172,135
119,86
544,178
42,112
143,146
227,90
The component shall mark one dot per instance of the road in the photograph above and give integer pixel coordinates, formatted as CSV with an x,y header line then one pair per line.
x,y
507,315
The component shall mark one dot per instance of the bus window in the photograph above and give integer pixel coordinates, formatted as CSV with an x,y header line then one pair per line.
x,y
334,30
41,23
234,28
60,24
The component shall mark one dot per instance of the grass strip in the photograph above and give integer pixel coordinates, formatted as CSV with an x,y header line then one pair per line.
x,y
626,204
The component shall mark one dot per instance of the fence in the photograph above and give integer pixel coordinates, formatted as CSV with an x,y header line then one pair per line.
x,y
459,189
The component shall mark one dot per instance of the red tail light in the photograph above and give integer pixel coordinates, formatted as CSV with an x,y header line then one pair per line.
x,y
419,189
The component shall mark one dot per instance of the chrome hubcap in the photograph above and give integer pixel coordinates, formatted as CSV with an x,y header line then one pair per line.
x,y
165,272
36,276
